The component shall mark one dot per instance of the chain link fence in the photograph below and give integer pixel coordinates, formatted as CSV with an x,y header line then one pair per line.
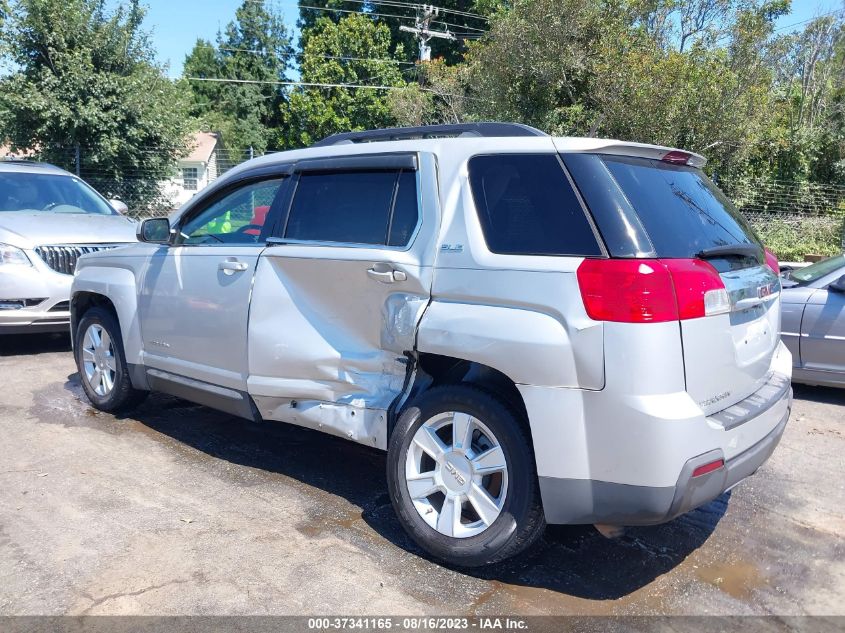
x,y
794,219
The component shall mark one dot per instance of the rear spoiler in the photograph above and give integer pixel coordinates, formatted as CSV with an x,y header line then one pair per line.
x,y
635,150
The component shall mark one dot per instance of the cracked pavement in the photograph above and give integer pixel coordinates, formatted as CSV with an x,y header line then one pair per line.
x,y
177,509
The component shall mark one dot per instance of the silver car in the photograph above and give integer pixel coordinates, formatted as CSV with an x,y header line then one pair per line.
x,y
814,322
48,218
536,329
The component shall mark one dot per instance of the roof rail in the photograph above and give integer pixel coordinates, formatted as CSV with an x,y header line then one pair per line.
x,y
432,131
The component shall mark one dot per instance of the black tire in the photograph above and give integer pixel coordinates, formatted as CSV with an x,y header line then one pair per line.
x,y
123,396
521,521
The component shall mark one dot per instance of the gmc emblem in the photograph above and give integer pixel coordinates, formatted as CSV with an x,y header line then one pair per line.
x,y
764,291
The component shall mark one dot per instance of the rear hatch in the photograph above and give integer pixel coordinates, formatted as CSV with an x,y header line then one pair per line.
x,y
669,211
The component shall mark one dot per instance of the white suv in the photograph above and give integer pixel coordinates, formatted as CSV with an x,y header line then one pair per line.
x,y
536,329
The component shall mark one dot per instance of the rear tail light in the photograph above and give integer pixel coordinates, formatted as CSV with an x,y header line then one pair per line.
x,y
772,262
698,288
651,290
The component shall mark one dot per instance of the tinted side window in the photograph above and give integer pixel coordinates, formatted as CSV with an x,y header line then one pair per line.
x,y
527,207
354,207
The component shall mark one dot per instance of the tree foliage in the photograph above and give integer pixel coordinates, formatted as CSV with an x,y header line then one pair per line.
x,y
86,76
255,52
353,51
457,16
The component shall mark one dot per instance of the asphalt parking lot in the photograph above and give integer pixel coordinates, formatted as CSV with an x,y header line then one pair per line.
x,y
182,510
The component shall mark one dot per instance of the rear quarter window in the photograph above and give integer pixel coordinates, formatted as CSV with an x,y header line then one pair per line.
x,y
526,206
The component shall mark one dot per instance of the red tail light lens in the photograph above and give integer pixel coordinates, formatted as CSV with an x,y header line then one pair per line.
x,y
772,261
627,290
650,290
698,288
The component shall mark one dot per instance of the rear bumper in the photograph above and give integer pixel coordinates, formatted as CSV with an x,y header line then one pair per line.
x,y
592,501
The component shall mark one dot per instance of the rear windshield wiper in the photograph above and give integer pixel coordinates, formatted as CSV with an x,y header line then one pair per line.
x,y
740,250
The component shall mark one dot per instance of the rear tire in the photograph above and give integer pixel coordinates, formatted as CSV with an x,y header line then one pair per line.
x,y
101,362
468,459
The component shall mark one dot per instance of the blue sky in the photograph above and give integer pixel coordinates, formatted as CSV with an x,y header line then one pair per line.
x,y
176,24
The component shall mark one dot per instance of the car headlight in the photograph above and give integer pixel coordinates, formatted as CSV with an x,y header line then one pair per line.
x,y
13,256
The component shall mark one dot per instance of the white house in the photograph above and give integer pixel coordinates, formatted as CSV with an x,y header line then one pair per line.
x,y
197,170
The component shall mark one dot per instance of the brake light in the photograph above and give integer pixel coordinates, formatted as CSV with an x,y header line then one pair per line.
x,y
650,290
676,157
772,261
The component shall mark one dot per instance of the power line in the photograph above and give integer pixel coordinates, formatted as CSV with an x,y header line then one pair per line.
x,y
417,7
307,84
359,59
387,15
786,26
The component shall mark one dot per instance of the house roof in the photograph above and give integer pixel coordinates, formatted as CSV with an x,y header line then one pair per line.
x,y
203,144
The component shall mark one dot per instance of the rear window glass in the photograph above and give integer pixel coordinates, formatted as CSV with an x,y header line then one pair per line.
x,y
682,211
526,206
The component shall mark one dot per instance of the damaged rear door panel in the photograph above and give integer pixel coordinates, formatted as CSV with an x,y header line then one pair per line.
x,y
333,313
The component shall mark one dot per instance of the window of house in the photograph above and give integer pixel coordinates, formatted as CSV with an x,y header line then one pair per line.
x,y
355,207
526,206
189,178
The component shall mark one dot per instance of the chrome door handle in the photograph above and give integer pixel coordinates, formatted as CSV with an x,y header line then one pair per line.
x,y
231,266
387,276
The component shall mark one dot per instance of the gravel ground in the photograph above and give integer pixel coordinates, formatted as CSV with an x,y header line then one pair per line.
x,y
178,510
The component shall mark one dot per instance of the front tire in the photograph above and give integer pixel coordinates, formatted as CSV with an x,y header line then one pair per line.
x,y
462,478
101,363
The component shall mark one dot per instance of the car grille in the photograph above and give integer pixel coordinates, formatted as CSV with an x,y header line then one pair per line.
x,y
62,258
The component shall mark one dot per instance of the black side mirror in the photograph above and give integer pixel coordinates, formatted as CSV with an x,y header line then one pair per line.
x,y
154,231
838,285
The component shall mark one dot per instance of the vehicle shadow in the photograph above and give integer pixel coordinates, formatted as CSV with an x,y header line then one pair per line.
x,y
30,344
824,395
573,560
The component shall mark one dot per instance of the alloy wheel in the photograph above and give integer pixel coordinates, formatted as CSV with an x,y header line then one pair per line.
x,y
98,360
456,474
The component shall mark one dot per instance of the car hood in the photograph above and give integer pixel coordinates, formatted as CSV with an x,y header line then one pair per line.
x,y
28,229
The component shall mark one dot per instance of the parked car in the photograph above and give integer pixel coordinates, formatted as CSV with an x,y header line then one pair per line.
x,y
536,330
48,218
814,322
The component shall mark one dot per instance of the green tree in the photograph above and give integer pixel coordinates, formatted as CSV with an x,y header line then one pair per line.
x,y
465,18
253,55
87,77
439,96
690,74
356,51
806,136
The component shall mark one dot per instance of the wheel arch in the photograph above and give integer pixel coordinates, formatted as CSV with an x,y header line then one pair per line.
x,y
113,289
434,370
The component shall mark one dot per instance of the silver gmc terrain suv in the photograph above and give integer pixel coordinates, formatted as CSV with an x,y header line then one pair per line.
x,y
536,329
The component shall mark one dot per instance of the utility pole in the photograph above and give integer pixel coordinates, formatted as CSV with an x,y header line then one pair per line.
x,y
422,29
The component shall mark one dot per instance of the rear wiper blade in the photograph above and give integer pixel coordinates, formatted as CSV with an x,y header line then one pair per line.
x,y
743,250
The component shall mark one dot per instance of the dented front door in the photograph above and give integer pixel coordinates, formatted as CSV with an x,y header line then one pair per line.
x,y
331,323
